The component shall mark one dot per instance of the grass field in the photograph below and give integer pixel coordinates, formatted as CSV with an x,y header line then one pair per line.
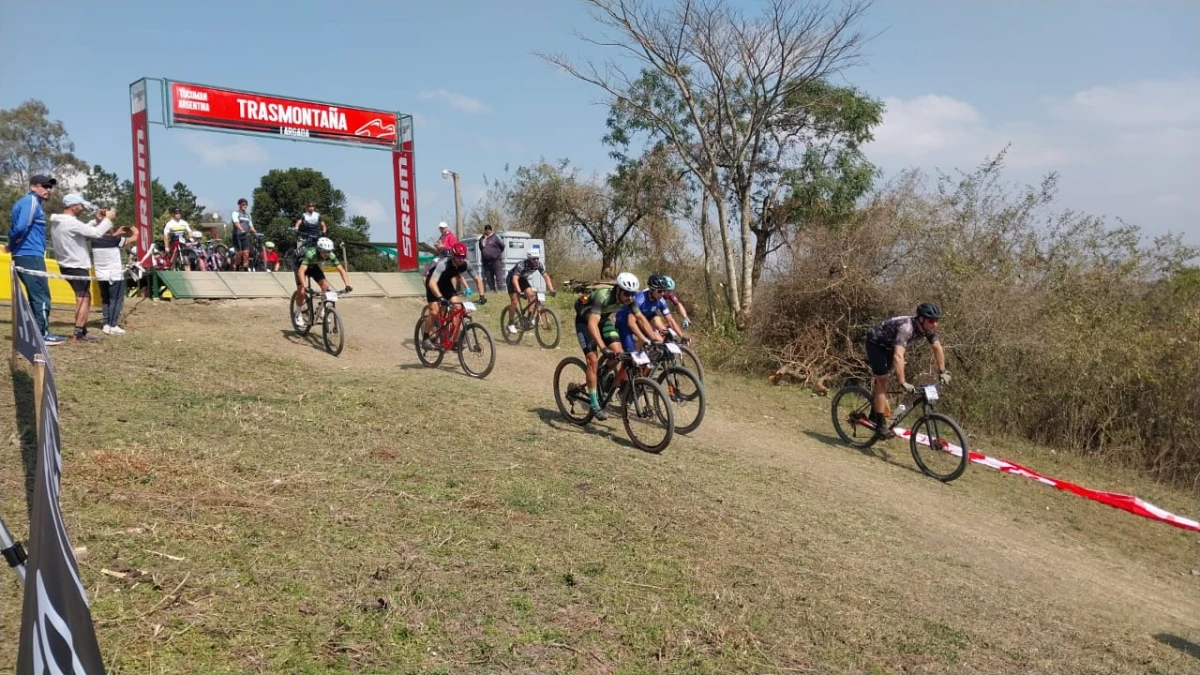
x,y
275,509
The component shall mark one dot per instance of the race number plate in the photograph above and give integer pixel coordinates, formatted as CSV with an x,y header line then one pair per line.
x,y
469,306
541,297
331,296
673,348
931,393
641,359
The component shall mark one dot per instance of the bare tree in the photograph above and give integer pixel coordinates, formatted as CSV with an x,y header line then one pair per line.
x,y
710,80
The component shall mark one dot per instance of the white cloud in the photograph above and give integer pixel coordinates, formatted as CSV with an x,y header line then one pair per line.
x,y
942,131
461,102
1143,103
372,209
212,152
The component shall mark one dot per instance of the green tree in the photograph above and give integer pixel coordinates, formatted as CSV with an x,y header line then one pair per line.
x,y
32,143
280,198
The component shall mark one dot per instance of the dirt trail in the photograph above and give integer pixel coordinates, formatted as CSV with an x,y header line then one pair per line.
x,y
1031,559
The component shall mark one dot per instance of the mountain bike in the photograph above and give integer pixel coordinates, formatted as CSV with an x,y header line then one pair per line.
x,y
534,316
935,432
333,332
645,408
687,358
661,362
455,331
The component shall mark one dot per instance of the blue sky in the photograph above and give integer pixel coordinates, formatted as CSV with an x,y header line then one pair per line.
x,y
1106,93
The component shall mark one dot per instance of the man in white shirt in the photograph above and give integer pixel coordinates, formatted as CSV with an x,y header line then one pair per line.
x,y
243,230
70,236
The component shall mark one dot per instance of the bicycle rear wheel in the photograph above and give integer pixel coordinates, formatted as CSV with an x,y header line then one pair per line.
x,y
333,333
431,358
851,410
547,329
687,397
475,342
570,391
305,312
648,415
935,452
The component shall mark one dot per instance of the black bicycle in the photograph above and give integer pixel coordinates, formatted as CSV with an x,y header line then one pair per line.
x,y
534,316
662,362
645,408
938,443
333,332
687,358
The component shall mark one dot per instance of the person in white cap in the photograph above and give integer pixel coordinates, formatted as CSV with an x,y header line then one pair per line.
x,y
70,236
446,240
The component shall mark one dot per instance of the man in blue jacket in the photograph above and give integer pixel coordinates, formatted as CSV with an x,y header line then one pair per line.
x,y
27,244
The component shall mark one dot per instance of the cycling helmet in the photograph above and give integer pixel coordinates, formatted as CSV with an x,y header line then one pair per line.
x,y
658,282
269,244
533,254
325,245
627,282
927,310
459,250
670,282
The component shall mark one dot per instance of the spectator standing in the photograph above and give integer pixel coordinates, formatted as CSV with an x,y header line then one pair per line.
x,y
27,244
446,240
310,226
243,230
491,252
71,235
110,273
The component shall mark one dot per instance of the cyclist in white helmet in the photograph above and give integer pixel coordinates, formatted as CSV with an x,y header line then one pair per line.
x,y
310,267
595,330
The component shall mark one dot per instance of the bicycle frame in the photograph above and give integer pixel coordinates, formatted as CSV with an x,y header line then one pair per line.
x,y
452,318
921,398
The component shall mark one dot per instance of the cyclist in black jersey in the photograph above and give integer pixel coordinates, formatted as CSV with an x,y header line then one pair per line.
x,y
310,226
439,285
886,344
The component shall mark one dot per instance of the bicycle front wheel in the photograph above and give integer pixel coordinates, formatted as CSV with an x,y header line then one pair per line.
x,y
547,328
648,415
687,397
570,391
431,358
939,447
507,319
301,317
334,334
476,350
851,412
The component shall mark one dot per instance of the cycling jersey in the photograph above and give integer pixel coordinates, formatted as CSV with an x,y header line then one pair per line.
x,y
621,319
176,228
897,331
445,270
650,306
525,270
310,225
312,256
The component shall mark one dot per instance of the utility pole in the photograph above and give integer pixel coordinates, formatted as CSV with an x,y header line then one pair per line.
x,y
458,221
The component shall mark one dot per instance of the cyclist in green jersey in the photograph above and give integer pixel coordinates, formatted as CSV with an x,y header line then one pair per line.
x,y
309,267
595,328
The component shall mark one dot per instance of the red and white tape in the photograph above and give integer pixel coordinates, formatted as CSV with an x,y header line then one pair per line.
x,y
1116,500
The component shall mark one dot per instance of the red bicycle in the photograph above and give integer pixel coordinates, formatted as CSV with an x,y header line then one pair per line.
x,y
455,331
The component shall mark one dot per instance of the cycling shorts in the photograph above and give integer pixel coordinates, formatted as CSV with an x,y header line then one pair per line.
x,y
513,289
607,331
880,358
